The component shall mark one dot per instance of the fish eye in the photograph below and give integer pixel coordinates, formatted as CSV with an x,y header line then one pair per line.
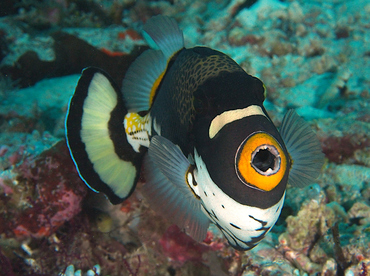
x,y
266,160
260,161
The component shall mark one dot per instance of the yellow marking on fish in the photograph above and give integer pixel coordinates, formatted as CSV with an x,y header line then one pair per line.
x,y
138,130
155,88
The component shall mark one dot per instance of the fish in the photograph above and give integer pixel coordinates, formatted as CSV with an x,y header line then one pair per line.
x,y
191,123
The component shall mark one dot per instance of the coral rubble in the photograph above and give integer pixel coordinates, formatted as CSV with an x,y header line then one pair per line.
x,y
311,55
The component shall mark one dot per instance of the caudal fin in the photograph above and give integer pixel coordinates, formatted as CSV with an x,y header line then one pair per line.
x,y
96,137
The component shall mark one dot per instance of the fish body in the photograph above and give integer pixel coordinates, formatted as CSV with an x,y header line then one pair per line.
x,y
195,121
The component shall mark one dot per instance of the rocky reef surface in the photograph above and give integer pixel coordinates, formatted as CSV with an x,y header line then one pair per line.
x,y
312,56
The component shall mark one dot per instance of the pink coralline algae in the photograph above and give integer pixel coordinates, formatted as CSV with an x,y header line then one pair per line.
x,y
182,248
47,193
340,149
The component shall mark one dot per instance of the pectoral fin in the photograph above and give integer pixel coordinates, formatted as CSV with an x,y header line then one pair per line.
x,y
167,189
304,149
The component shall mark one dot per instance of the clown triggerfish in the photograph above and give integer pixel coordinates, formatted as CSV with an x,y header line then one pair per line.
x,y
194,120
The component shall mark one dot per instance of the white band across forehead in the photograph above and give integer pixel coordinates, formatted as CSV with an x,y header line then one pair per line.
x,y
232,115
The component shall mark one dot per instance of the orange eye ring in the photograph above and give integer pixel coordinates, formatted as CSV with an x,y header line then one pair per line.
x,y
260,161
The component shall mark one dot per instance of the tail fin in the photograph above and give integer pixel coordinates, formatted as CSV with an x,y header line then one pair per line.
x,y
96,137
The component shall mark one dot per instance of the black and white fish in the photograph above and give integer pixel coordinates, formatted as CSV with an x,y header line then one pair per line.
x,y
195,121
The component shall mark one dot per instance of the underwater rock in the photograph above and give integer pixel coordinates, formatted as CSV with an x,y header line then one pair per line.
x,y
8,7
71,56
42,15
3,45
336,87
346,181
265,259
361,211
300,49
70,271
180,247
46,192
46,112
239,36
342,149
17,146
313,220
329,268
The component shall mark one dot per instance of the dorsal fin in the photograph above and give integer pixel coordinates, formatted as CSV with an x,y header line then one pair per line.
x,y
166,34
145,74
142,80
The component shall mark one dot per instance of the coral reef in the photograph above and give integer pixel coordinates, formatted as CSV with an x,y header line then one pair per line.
x,y
312,56
70,271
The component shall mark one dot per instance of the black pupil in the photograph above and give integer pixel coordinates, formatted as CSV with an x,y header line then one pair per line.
x,y
263,160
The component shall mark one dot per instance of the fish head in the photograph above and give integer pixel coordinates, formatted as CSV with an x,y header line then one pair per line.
x,y
242,171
